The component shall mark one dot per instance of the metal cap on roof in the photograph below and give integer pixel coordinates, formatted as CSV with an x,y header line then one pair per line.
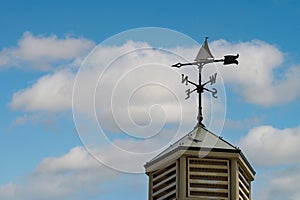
x,y
201,138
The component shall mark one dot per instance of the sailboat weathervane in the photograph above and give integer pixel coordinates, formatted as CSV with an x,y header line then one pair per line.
x,y
203,57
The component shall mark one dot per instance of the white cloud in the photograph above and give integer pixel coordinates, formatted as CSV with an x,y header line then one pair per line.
x,y
256,78
124,79
76,159
268,146
280,184
65,177
39,52
134,83
51,93
49,122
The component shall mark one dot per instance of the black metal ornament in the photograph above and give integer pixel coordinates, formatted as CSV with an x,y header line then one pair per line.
x,y
203,57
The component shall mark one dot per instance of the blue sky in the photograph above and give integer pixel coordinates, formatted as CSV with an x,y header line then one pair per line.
x,y
43,44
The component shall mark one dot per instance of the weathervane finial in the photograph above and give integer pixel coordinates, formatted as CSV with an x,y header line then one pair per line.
x,y
203,57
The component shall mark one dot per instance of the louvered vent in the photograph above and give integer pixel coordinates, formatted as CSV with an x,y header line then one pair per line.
x,y
244,185
164,183
208,178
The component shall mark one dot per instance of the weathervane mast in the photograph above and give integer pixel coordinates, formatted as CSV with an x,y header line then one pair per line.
x,y
203,57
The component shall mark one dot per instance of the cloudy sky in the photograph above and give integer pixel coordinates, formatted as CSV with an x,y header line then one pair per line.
x,y
88,94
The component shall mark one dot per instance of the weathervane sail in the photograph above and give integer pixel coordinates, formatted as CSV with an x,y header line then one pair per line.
x,y
203,57
204,54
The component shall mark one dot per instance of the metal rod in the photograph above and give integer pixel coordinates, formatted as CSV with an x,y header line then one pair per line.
x,y
200,90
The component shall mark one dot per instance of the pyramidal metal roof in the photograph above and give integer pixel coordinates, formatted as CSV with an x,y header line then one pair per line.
x,y
200,138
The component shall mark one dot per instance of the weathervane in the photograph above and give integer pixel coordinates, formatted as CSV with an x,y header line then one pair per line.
x,y
203,57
